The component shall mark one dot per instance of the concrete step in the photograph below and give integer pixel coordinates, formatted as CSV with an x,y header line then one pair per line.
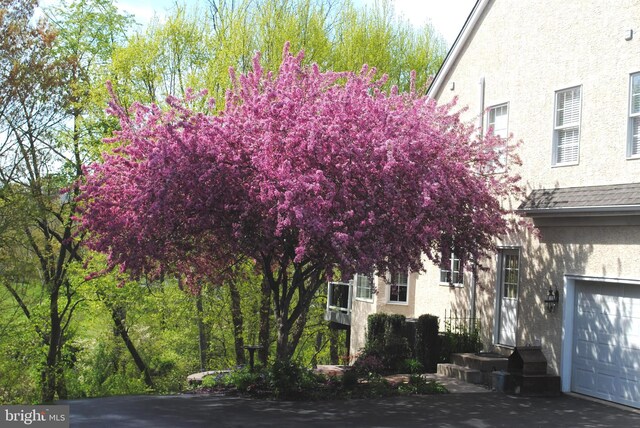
x,y
485,362
463,373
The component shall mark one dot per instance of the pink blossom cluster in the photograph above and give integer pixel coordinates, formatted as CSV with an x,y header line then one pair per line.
x,y
303,167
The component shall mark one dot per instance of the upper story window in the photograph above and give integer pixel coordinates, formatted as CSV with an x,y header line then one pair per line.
x,y
497,120
451,272
364,287
566,127
633,146
399,287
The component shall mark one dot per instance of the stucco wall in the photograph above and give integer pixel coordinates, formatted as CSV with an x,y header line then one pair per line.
x,y
361,310
433,297
526,51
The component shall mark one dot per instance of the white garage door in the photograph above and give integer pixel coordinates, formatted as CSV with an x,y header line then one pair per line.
x,y
606,342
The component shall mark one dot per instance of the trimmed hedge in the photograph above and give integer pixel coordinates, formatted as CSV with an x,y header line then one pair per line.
x,y
427,342
386,340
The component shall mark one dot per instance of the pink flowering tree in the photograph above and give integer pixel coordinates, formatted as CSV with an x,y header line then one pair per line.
x,y
311,174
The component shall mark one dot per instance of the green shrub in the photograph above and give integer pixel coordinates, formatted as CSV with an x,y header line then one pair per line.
x,y
350,379
412,365
386,340
215,380
454,343
368,365
376,325
427,349
290,380
246,380
419,385
396,346
394,326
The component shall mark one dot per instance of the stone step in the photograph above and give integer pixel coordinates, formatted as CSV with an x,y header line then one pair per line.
x,y
196,378
486,362
463,373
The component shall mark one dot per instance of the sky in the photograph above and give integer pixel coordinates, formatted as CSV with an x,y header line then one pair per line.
x,y
447,16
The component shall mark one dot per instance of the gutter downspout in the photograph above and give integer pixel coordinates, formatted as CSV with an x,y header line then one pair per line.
x,y
474,272
481,107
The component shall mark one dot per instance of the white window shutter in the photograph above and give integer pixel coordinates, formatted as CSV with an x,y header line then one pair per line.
x,y
635,136
635,94
568,140
567,126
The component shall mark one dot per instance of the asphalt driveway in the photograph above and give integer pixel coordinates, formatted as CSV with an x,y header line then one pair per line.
x,y
484,409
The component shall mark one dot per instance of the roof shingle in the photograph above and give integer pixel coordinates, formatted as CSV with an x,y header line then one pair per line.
x,y
588,198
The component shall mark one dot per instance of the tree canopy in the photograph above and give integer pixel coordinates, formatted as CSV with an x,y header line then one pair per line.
x,y
304,171
62,335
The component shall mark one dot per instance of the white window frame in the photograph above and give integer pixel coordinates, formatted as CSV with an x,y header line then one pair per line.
x,y
356,281
633,116
502,133
557,129
390,283
460,272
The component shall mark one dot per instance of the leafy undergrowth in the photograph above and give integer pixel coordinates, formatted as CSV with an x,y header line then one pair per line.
x,y
292,382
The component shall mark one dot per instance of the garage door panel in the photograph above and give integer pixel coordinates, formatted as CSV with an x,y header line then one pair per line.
x,y
607,385
630,375
585,379
606,342
589,335
586,352
609,303
629,390
629,362
633,345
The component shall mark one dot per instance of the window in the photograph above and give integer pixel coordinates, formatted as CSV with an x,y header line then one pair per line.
x,y
510,270
633,148
398,287
497,120
364,286
566,127
451,271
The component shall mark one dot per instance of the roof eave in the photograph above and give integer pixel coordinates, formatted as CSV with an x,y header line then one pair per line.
x,y
609,210
457,48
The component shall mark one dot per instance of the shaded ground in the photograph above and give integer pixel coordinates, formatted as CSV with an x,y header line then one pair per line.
x,y
479,409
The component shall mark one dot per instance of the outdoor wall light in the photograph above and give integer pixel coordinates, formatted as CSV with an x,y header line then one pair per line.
x,y
551,299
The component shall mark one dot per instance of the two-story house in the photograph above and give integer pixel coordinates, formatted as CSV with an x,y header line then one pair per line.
x,y
563,77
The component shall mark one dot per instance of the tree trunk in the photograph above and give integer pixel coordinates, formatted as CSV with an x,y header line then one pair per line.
x,y
298,285
48,374
265,322
296,332
282,342
238,322
117,314
61,383
334,335
203,340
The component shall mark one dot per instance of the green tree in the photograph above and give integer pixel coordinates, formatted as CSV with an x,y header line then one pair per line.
x,y
48,70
